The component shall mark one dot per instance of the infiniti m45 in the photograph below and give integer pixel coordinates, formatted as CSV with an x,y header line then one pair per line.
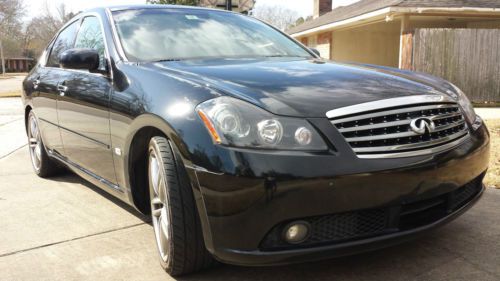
x,y
243,145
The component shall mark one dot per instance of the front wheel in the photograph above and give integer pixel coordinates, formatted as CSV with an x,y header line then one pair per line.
x,y
176,224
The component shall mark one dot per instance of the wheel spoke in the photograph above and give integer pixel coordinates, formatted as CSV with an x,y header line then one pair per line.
x,y
158,177
156,201
32,126
38,151
154,172
162,192
164,224
156,213
35,144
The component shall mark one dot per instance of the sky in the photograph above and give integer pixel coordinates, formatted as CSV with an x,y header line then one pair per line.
x,y
34,7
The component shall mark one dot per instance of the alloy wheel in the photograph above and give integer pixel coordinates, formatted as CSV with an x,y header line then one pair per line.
x,y
35,143
159,206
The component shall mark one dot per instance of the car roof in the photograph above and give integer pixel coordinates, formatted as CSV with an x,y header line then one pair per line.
x,y
148,6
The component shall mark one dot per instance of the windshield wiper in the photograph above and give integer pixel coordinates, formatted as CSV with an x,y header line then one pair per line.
x,y
279,56
172,59
283,56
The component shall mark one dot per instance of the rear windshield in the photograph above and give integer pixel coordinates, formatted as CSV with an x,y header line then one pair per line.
x,y
174,34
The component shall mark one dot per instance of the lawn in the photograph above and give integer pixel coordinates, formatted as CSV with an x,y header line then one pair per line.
x,y
493,177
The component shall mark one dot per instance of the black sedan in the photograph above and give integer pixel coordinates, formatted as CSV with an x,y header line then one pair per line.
x,y
243,145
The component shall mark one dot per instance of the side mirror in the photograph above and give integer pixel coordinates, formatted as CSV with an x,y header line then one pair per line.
x,y
87,59
315,51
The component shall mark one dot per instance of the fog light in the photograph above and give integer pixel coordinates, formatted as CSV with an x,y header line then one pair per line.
x,y
296,232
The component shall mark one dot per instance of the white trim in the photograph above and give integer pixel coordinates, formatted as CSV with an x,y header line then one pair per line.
x,y
343,22
443,9
387,11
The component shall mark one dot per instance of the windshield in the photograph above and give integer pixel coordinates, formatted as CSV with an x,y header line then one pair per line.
x,y
175,34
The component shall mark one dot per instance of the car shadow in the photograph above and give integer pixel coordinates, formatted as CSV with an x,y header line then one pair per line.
x,y
70,177
398,260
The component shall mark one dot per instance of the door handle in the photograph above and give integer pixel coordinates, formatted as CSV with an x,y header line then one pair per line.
x,y
62,89
36,83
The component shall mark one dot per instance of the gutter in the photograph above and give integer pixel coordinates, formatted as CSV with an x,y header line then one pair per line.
x,y
389,13
343,22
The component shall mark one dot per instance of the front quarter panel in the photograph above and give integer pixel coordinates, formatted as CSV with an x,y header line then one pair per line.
x,y
165,102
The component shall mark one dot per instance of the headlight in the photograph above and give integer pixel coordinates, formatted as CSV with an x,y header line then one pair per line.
x,y
466,105
237,123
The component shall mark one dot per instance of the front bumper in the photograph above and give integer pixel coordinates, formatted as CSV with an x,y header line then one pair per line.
x,y
253,193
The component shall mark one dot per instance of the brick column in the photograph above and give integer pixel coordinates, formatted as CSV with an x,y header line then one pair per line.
x,y
324,45
406,44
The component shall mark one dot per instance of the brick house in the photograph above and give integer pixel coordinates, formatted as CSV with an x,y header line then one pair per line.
x,y
18,64
382,31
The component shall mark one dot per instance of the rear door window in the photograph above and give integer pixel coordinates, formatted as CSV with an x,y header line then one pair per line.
x,y
64,42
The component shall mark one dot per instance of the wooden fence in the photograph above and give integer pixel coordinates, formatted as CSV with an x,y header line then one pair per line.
x,y
469,58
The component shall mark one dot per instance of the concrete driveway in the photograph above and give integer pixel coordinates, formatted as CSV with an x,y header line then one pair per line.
x,y
66,229
11,84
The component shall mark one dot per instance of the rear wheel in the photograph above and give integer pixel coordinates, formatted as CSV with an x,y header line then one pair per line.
x,y
43,165
176,224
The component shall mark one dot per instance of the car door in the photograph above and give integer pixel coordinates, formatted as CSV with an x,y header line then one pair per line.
x,y
45,83
83,108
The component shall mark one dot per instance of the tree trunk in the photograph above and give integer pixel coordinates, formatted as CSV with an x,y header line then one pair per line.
x,y
2,58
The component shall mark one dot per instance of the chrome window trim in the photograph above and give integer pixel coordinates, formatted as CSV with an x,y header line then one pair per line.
x,y
387,103
114,35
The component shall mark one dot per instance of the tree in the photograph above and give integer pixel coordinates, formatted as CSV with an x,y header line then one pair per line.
x,y
175,2
40,30
278,16
11,12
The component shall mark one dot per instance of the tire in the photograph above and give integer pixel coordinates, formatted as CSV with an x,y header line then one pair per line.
x,y
42,164
176,223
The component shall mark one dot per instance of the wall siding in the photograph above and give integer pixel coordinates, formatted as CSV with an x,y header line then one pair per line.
x,y
469,58
376,43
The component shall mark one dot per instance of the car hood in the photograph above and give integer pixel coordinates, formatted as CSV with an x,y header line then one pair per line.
x,y
306,88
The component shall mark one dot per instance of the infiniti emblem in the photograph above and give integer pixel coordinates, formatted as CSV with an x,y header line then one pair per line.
x,y
422,125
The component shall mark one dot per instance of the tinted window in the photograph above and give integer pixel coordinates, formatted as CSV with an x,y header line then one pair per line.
x,y
159,34
63,42
90,36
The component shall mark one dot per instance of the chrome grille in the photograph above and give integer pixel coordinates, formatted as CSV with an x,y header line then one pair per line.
x,y
383,128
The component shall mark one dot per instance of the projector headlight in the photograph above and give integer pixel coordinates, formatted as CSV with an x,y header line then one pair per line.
x,y
237,123
466,105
